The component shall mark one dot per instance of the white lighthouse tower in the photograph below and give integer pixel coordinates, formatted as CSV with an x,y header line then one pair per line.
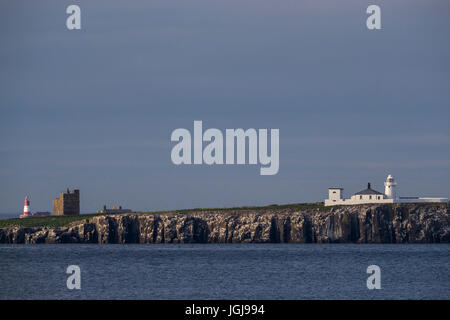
x,y
390,187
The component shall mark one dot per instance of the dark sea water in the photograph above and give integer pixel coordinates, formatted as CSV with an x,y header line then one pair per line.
x,y
225,271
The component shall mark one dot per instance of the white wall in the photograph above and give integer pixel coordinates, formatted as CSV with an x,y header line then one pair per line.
x,y
334,194
367,197
353,201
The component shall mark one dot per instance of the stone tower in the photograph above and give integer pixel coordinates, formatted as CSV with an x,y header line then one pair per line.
x,y
67,204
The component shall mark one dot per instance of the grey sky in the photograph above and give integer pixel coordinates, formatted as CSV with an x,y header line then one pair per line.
x,y
94,109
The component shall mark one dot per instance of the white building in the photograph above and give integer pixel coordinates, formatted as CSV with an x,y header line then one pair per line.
x,y
335,196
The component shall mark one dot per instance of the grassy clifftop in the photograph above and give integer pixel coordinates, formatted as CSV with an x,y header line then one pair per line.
x,y
59,221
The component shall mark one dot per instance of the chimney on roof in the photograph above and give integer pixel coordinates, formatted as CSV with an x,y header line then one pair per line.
x,y
368,185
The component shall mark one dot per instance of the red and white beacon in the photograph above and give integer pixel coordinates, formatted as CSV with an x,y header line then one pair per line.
x,y
26,207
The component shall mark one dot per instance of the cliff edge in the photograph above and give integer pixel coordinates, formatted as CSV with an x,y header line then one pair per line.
x,y
391,223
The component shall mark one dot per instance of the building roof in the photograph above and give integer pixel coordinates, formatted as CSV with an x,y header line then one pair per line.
x,y
336,188
368,191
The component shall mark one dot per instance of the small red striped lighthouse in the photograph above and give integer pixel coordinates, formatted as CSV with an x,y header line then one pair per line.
x,y
26,207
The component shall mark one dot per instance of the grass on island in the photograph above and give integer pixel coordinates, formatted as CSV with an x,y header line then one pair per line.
x,y
293,206
59,221
51,221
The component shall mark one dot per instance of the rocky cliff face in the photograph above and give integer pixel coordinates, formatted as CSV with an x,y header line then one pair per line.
x,y
393,223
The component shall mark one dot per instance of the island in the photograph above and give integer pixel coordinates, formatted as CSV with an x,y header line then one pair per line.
x,y
293,223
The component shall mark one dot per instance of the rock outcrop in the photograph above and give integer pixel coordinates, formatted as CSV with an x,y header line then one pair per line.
x,y
391,223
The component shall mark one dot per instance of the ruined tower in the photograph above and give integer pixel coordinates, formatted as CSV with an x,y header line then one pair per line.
x,y
67,204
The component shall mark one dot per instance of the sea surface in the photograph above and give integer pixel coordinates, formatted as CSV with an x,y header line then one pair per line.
x,y
9,215
225,271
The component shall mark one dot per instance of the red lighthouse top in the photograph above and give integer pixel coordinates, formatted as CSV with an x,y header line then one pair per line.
x,y
27,202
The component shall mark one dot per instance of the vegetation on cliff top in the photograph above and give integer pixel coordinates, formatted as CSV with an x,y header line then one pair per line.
x,y
59,221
